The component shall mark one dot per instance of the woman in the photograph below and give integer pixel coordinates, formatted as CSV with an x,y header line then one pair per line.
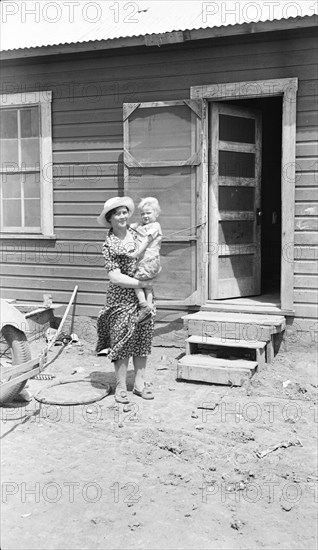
x,y
117,327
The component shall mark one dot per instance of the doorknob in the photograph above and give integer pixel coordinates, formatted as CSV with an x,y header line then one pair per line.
x,y
259,215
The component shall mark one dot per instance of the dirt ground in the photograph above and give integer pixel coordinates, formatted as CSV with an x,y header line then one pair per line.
x,y
183,471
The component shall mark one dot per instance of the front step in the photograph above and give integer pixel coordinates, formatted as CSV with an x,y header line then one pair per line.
x,y
203,368
236,326
194,342
239,326
224,331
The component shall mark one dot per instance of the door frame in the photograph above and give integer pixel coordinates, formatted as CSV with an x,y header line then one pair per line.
x,y
287,89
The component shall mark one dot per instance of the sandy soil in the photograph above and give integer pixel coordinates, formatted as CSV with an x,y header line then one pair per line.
x,y
179,472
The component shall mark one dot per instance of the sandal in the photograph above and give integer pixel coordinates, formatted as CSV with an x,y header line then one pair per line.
x,y
146,393
104,351
121,397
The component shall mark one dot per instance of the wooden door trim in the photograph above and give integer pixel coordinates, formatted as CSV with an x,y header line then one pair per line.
x,y
287,88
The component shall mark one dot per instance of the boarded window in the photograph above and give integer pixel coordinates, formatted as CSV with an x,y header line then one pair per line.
x,y
162,158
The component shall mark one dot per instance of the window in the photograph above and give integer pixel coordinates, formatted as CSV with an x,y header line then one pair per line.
x,y
26,164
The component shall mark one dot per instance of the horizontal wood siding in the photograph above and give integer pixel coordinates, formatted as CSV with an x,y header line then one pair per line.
x,y
88,94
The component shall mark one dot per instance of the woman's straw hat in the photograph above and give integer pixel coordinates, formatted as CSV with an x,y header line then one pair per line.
x,y
115,203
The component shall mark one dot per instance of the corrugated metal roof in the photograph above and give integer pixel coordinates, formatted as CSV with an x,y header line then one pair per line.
x,y
36,24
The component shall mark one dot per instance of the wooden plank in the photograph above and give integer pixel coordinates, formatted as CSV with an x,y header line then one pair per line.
x,y
21,378
226,343
306,310
306,296
195,106
130,161
83,156
236,216
307,268
242,308
131,65
306,194
303,281
213,200
307,149
236,249
215,371
249,89
288,190
203,206
207,316
18,369
307,164
237,182
306,224
227,330
304,239
306,209
128,109
240,147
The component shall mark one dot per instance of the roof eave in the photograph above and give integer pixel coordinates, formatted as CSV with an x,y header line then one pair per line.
x,y
161,39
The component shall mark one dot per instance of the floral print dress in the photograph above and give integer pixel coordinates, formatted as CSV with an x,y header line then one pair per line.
x,y
117,326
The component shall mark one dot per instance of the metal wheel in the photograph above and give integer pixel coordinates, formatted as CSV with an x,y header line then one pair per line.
x,y
20,353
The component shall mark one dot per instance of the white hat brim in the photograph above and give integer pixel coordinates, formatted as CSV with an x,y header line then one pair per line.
x,y
113,203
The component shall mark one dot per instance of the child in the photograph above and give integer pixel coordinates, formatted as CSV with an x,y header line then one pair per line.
x,y
148,266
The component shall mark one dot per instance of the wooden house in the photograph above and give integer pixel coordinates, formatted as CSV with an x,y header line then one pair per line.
x,y
220,124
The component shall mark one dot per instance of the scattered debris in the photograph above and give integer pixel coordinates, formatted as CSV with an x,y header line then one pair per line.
x,y
135,525
282,445
287,506
237,524
44,377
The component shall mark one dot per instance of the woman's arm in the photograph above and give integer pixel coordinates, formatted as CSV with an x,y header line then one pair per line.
x,y
118,278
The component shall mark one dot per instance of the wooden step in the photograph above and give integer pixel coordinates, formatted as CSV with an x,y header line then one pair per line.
x,y
259,347
248,309
249,327
203,368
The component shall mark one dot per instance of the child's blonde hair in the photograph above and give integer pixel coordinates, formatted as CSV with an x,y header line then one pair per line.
x,y
150,201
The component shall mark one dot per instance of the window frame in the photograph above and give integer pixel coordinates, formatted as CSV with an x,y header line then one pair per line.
x,y
43,101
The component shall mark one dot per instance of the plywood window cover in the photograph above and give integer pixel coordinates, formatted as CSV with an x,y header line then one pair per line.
x,y
43,100
129,159
287,88
195,160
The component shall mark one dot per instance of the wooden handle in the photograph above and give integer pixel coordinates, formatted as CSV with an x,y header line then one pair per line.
x,y
63,319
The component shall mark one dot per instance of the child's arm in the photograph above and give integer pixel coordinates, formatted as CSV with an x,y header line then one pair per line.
x,y
140,248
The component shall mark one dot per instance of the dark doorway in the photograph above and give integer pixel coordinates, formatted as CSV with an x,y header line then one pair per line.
x,y
271,219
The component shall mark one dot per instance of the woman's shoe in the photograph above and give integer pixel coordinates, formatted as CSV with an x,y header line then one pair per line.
x,y
121,396
145,393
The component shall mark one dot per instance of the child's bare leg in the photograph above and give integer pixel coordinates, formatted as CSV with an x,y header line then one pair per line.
x,y
149,297
141,296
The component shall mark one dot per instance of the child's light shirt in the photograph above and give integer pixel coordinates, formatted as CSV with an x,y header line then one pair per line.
x,y
153,228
